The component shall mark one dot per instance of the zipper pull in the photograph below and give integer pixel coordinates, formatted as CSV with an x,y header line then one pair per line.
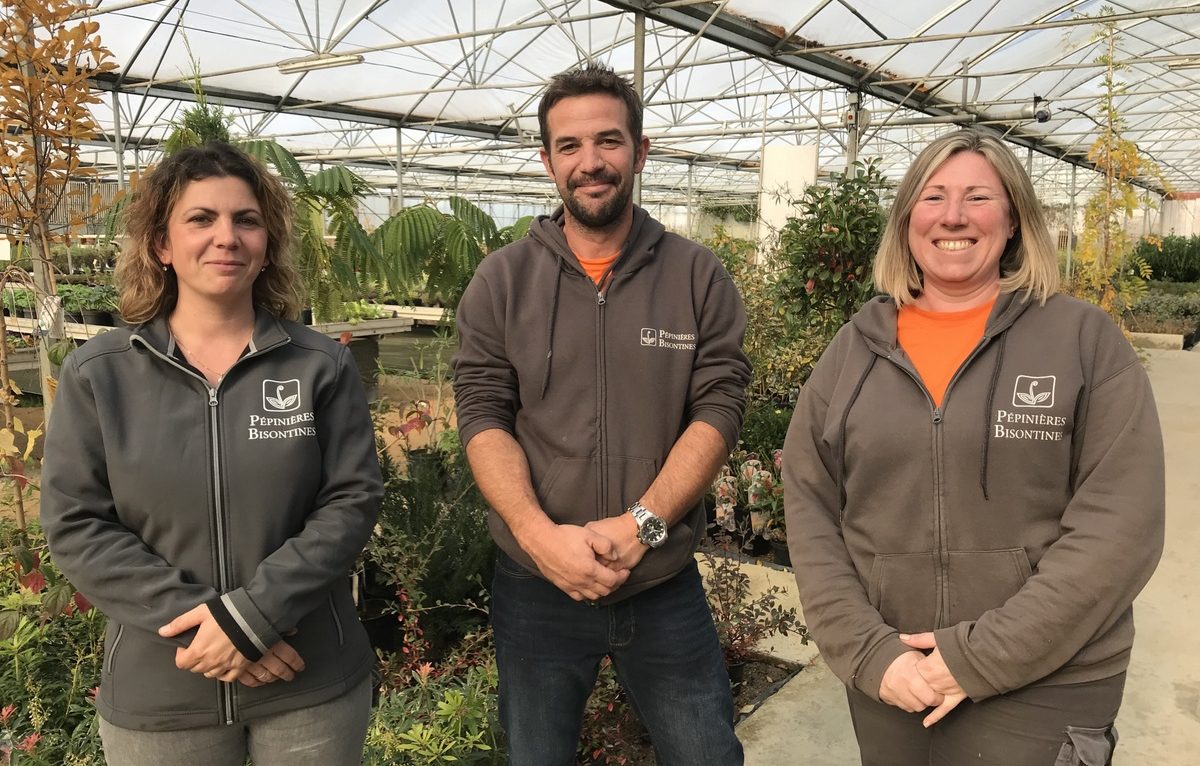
x,y
599,299
212,397
937,415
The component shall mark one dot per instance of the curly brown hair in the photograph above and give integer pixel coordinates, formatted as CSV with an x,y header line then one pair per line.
x,y
147,290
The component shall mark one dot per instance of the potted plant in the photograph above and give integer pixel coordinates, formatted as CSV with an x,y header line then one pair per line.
x,y
749,500
72,301
743,618
18,301
97,304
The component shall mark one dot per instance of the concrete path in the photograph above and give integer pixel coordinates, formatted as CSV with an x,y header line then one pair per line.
x,y
807,723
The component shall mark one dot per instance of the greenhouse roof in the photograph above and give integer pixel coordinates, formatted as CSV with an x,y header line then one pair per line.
x,y
448,89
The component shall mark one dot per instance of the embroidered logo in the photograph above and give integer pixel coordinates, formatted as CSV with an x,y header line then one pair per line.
x,y
1034,391
680,341
281,395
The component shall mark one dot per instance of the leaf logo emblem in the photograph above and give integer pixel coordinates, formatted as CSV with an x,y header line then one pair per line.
x,y
281,395
1034,391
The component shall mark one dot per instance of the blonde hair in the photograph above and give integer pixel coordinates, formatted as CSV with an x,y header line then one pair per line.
x,y
147,290
1029,261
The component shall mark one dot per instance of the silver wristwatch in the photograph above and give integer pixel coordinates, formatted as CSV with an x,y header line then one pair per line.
x,y
652,530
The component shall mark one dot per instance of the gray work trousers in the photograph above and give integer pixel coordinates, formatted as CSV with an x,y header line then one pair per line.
x,y
1069,725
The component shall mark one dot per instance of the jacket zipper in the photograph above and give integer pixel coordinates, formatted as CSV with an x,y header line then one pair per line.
x,y
601,409
939,516
219,517
225,702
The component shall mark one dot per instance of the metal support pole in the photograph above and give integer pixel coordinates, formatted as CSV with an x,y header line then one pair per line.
x,y
639,83
853,131
1029,162
116,107
690,205
399,172
1071,222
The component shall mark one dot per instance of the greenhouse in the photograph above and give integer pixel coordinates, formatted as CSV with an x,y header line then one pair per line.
x,y
407,134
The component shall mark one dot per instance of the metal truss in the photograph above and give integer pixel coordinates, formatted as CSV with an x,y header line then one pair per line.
x,y
445,98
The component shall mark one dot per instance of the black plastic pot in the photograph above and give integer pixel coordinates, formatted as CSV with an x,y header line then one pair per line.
x,y
780,553
737,674
97,318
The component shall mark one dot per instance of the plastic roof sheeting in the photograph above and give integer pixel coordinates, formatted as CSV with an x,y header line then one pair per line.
x,y
446,95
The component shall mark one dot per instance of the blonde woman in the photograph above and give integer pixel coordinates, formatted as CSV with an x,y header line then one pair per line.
x,y
210,477
974,485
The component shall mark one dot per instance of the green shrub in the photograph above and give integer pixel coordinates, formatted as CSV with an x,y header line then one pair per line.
x,y
1166,313
1176,260
432,549
1172,288
433,715
51,650
826,252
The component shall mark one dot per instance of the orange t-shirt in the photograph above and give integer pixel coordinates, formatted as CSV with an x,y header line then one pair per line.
x,y
938,342
596,267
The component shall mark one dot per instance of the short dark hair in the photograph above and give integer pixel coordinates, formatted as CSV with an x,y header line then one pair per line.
x,y
591,78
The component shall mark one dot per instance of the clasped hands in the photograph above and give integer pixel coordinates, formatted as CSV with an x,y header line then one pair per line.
x,y
212,654
916,681
589,562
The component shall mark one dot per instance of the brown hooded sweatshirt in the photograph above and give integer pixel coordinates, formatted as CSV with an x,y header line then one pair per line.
x,y
1018,521
597,384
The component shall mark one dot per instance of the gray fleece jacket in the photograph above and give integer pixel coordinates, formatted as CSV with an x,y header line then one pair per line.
x,y
160,493
1017,521
596,386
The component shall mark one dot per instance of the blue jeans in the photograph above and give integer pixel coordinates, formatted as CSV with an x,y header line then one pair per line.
x,y
664,649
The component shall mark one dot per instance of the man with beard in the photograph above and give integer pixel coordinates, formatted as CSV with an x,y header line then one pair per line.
x,y
600,385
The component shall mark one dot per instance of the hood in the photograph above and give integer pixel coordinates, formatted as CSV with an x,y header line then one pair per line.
x,y
637,251
876,320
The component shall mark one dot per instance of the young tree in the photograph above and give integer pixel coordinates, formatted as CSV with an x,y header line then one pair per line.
x,y
1108,274
49,51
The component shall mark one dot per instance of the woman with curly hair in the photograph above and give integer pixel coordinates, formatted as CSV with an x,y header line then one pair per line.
x,y
210,477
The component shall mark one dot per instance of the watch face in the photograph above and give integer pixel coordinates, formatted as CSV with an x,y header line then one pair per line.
x,y
653,531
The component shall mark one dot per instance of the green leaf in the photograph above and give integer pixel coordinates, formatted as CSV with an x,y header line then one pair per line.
x,y
24,557
10,619
271,153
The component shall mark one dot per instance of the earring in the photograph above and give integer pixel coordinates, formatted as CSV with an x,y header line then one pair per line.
x,y
165,268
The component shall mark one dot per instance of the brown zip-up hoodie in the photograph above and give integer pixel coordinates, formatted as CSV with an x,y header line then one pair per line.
x,y
1018,521
597,385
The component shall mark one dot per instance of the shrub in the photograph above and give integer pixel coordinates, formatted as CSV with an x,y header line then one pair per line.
x,y
432,549
51,650
1165,312
826,252
1175,259
743,619
432,715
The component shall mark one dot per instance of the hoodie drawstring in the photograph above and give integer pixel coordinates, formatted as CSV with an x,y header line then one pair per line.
x,y
550,332
987,418
841,468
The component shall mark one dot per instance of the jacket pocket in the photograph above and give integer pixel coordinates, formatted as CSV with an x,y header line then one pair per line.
x,y
568,492
1087,747
629,478
337,622
114,644
903,589
983,580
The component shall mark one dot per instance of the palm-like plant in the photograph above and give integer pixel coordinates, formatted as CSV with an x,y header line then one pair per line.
x,y
334,272
442,250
